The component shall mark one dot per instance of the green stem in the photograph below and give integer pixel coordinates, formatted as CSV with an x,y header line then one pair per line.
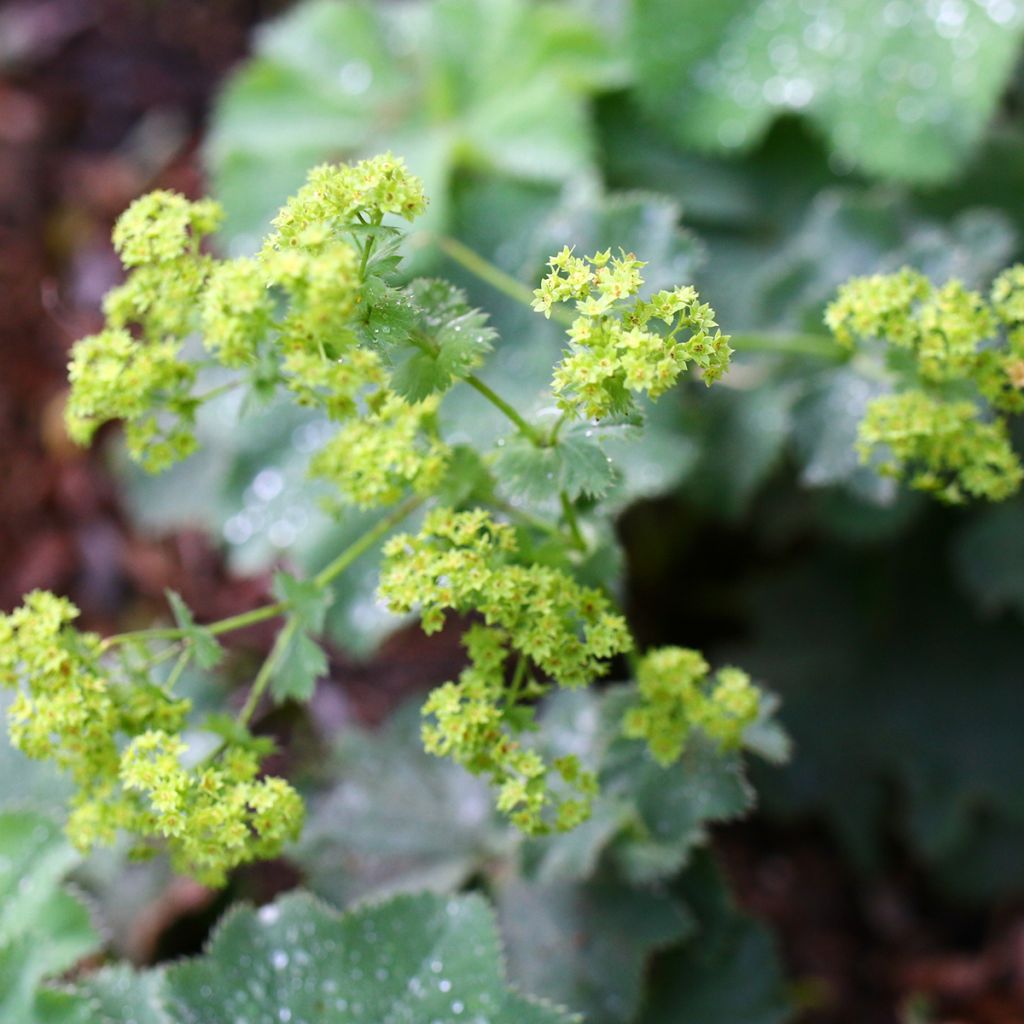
x,y
485,270
541,525
367,540
179,667
572,522
517,680
216,392
368,247
250,618
271,611
266,672
526,429
819,346
557,429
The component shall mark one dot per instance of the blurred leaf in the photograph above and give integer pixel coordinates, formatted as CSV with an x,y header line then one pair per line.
x,y
825,423
119,995
647,819
300,665
586,946
396,819
307,601
989,558
499,84
741,437
28,783
727,972
44,929
413,957
900,90
208,650
892,684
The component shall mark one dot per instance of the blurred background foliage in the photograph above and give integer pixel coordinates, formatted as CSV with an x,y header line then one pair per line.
x,y
766,150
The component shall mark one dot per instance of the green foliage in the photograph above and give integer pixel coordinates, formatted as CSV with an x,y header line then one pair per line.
x,y
410,958
319,315
450,340
727,972
899,90
453,84
587,945
580,919
120,743
44,928
941,341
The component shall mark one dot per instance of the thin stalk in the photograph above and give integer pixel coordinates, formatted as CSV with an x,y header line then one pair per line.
x,y
221,389
572,522
266,672
557,429
818,346
485,270
250,618
526,429
270,611
518,677
367,540
528,518
368,247
179,667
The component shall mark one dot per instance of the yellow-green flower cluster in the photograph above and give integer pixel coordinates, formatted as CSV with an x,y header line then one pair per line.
x,y
144,380
677,697
462,561
613,349
213,817
373,460
291,315
943,446
113,376
68,710
237,311
161,226
952,349
474,721
337,195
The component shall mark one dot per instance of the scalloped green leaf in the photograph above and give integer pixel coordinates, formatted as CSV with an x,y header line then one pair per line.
x,y
44,929
448,84
988,557
409,959
576,465
206,647
119,995
647,820
727,971
900,89
301,664
397,818
586,946
448,340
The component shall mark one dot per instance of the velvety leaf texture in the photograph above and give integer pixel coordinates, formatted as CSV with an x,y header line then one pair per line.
x,y
410,959
900,89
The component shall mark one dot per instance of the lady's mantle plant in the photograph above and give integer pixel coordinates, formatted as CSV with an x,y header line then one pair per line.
x,y
958,362
321,313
